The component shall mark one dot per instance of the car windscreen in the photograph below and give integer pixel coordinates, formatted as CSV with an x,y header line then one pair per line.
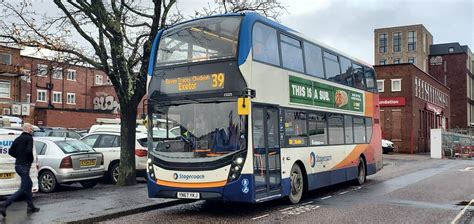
x,y
73,146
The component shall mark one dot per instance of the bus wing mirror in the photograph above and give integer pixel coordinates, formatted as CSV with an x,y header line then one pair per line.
x,y
243,104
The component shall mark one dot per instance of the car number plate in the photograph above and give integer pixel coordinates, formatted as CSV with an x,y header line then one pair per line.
x,y
7,175
87,162
188,195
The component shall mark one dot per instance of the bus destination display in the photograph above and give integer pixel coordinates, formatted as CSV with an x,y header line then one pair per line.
x,y
195,83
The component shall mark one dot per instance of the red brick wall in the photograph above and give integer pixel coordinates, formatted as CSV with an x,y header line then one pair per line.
x,y
405,131
456,71
68,119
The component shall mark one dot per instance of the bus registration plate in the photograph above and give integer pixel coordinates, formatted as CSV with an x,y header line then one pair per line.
x,y
188,195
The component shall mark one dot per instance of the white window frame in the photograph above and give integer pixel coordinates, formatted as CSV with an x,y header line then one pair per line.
x,y
67,98
57,69
383,85
414,60
10,56
60,97
45,95
97,78
397,61
71,71
40,69
9,87
391,86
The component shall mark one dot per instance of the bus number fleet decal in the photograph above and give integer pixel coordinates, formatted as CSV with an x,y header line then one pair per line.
x,y
313,93
193,83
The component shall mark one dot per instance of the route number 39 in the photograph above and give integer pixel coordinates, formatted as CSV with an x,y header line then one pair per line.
x,y
217,80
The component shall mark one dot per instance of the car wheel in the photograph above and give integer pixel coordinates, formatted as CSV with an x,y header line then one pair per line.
x,y
296,184
114,173
361,174
88,183
47,182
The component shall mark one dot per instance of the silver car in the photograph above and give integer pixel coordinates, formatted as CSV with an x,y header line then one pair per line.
x,y
66,160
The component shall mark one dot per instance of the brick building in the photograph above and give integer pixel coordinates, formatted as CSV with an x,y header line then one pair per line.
x,y
48,93
403,44
411,103
453,65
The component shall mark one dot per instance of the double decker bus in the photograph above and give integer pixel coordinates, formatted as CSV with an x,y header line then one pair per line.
x,y
241,108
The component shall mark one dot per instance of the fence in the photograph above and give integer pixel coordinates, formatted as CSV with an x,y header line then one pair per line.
x,y
457,143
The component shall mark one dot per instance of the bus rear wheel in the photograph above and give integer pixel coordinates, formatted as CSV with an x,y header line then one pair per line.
x,y
296,184
361,174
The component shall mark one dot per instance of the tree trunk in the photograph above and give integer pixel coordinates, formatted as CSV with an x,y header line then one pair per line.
x,y
128,117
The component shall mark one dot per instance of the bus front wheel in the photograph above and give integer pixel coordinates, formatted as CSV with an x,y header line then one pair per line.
x,y
296,184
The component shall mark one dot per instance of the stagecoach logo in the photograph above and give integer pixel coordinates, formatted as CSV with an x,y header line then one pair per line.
x,y
313,159
4,146
245,184
181,176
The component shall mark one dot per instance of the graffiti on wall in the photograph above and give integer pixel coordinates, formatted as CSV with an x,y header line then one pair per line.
x,y
106,103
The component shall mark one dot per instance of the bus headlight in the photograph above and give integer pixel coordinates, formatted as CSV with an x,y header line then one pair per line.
x,y
236,167
150,169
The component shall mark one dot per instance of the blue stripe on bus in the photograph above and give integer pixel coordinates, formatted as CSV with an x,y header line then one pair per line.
x,y
154,48
233,191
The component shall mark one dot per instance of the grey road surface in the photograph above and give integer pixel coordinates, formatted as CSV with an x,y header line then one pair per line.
x,y
410,189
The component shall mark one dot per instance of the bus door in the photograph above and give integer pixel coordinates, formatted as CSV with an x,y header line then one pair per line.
x,y
266,152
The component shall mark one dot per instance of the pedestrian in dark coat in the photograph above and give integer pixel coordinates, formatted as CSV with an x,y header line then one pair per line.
x,y
22,150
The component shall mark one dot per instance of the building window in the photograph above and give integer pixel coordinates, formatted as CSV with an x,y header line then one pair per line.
x,y
396,85
99,80
451,50
4,89
383,62
71,75
411,60
5,59
411,40
57,73
28,98
397,41
42,70
383,43
396,61
41,96
57,97
71,98
380,85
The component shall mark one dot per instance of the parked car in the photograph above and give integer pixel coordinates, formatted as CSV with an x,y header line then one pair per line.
x,y
9,180
114,128
387,146
108,143
65,161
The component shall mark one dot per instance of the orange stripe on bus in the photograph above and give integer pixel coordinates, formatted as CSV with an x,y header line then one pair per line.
x,y
191,185
353,156
369,104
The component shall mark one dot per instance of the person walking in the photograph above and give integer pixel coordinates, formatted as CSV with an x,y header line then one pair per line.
x,y
22,150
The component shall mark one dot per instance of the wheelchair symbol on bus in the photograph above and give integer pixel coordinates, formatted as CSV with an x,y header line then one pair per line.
x,y
245,184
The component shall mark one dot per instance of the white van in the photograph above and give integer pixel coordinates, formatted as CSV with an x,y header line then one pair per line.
x,y
9,179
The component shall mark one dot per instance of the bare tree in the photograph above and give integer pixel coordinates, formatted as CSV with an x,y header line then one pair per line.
x,y
114,36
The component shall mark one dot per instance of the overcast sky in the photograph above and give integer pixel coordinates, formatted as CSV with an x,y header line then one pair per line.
x,y
348,25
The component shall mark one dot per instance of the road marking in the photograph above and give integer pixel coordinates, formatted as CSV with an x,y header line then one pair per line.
x,y
259,217
468,169
285,209
300,210
462,212
344,192
306,203
326,197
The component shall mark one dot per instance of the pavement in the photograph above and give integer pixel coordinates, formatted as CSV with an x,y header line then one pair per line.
x,y
409,189
73,204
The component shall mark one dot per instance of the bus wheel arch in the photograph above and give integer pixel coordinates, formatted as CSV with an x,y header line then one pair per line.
x,y
361,174
297,175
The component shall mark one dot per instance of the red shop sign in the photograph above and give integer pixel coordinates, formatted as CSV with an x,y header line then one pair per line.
x,y
392,101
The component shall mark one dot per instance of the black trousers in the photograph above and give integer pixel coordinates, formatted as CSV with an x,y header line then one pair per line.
x,y
25,187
